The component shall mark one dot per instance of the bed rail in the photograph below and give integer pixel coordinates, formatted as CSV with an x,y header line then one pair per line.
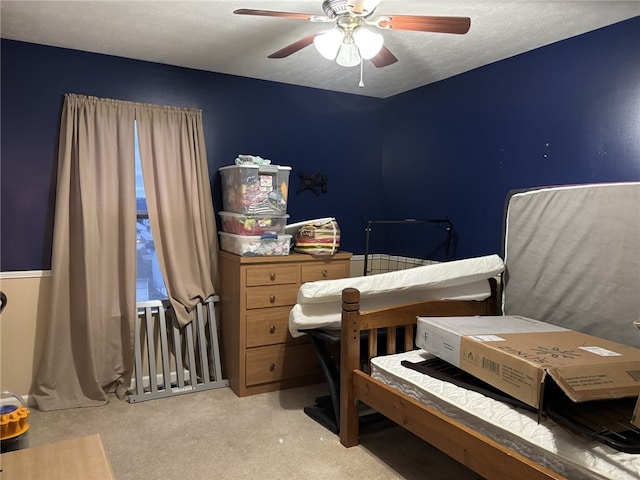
x,y
188,357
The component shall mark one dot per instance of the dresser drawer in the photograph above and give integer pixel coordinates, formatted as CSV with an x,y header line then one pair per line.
x,y
268,326
324,271
272,275
272,296
277,362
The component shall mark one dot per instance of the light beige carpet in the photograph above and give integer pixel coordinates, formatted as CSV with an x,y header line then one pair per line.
x,y
217,435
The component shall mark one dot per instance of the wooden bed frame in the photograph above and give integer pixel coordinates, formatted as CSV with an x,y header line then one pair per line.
x,y
484,456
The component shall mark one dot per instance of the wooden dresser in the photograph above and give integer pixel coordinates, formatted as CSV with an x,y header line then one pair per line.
x,y
256,296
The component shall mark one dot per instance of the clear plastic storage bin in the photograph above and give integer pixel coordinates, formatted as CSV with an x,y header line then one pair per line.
x,y
241,224
255,245
255,189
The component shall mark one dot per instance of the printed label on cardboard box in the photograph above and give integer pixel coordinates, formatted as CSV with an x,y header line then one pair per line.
x,y
519,379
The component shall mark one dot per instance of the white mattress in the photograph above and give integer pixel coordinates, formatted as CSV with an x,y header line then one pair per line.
x,y
546,443
437,275
320,303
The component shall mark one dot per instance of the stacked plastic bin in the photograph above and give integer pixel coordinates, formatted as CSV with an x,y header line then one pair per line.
x,y
254,201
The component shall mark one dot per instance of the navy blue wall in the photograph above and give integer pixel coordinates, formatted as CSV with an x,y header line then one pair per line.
x,y
565,113
561,114
308,129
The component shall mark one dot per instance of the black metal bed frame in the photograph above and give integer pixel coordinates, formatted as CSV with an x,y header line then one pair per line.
x,y
448,226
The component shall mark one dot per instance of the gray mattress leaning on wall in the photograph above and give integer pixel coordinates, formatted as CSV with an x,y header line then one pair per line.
x,y
572,258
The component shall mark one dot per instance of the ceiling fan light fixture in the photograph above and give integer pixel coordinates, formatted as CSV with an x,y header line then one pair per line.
x,y
348,55
369,43
328,43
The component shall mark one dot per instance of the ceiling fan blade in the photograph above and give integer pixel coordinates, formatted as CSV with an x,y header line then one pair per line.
x,y
271,13
294,47
384,58
459,25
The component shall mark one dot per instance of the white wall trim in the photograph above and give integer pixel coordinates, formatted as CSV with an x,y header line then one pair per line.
x,y
47,273
25,274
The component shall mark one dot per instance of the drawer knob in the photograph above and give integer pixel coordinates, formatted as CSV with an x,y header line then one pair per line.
x,y
272,367
325,274
272,299
272,329
272,276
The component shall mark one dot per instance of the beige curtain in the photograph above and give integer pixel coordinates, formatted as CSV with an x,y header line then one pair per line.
x,y
89,341
176,183
88,349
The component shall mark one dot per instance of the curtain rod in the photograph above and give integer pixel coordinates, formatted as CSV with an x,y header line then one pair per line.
x,y
76,96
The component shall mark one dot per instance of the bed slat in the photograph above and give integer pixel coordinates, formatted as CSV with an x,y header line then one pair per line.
x,y
373,343
408,337
391,340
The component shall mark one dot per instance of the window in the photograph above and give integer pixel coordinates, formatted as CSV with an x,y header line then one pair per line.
x,y
149,281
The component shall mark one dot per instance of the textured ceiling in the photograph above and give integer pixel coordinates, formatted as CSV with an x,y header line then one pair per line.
x,y
206,35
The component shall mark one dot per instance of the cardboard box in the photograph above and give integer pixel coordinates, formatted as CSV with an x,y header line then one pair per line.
x,y
518,355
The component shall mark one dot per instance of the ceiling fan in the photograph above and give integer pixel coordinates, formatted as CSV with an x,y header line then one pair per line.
x,y
350,42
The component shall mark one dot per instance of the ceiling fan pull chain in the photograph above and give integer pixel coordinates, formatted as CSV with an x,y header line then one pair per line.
x,y
361,84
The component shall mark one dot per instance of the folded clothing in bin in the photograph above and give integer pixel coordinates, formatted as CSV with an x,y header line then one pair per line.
x,y
241,224
255,189
255,245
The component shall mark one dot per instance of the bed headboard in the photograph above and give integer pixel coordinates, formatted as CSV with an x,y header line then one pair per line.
x,y
572,258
